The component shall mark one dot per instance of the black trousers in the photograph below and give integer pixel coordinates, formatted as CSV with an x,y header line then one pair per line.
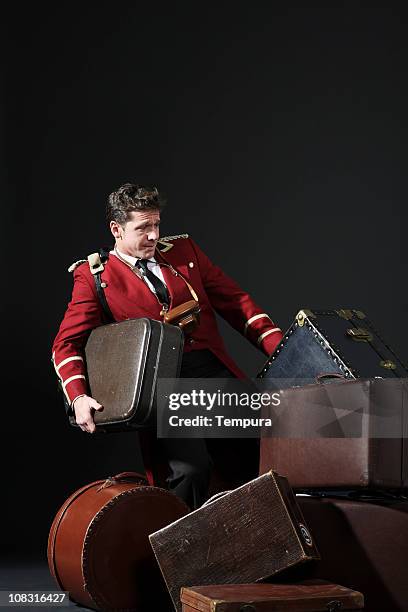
x,y
192,460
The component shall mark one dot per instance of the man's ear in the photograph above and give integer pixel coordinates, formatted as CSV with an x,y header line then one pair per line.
x,y
116,229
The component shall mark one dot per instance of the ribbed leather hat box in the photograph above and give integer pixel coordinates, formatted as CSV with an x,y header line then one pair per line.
x,y
98,547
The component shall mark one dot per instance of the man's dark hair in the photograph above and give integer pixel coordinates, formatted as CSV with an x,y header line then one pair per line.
x,y
130,197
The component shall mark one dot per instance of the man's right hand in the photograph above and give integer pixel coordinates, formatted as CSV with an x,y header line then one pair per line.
x,y
84,408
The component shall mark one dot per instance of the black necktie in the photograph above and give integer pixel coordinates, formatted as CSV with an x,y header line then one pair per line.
x,y
158,285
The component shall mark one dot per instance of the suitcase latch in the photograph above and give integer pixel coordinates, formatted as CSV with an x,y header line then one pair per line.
x,y
359,334
388,364
333,605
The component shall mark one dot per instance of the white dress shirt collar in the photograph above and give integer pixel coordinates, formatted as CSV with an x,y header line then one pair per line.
x,y
129,259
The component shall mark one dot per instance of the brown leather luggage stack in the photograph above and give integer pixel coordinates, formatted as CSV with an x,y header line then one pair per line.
x,y
343,444
335,428
98,548
311,596
245,535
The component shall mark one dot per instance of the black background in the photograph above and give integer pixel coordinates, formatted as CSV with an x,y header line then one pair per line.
x,y
279,135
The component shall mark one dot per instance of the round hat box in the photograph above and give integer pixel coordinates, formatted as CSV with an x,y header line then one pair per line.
x,y
98,546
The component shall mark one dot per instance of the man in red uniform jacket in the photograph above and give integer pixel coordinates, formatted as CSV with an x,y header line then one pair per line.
x,y
133,214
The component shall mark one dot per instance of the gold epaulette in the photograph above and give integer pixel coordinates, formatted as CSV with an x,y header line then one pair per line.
x,y
165,242
168,238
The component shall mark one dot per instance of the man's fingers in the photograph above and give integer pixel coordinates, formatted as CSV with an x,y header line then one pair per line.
x,y
88,426
84,409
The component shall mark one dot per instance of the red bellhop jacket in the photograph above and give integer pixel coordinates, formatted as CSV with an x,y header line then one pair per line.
x,y
129,297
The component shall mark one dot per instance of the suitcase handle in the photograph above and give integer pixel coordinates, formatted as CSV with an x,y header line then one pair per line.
x,y
129,476
320,377
214,497
126,476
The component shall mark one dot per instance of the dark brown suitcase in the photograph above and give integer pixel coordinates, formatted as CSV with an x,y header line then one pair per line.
x,y
124,363
316,596
98,547
363,545
241,536
349,434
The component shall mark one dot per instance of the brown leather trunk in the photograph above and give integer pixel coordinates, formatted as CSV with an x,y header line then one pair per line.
x,y
329,435
98,547
363,545
242,536
315,596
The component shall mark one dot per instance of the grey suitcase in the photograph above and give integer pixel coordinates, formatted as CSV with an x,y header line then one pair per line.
x,y
124,362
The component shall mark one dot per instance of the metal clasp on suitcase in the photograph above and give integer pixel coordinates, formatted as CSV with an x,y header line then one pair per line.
x,y
334,605
359,334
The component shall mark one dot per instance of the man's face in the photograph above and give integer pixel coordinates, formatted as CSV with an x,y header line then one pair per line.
x,y
139,235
